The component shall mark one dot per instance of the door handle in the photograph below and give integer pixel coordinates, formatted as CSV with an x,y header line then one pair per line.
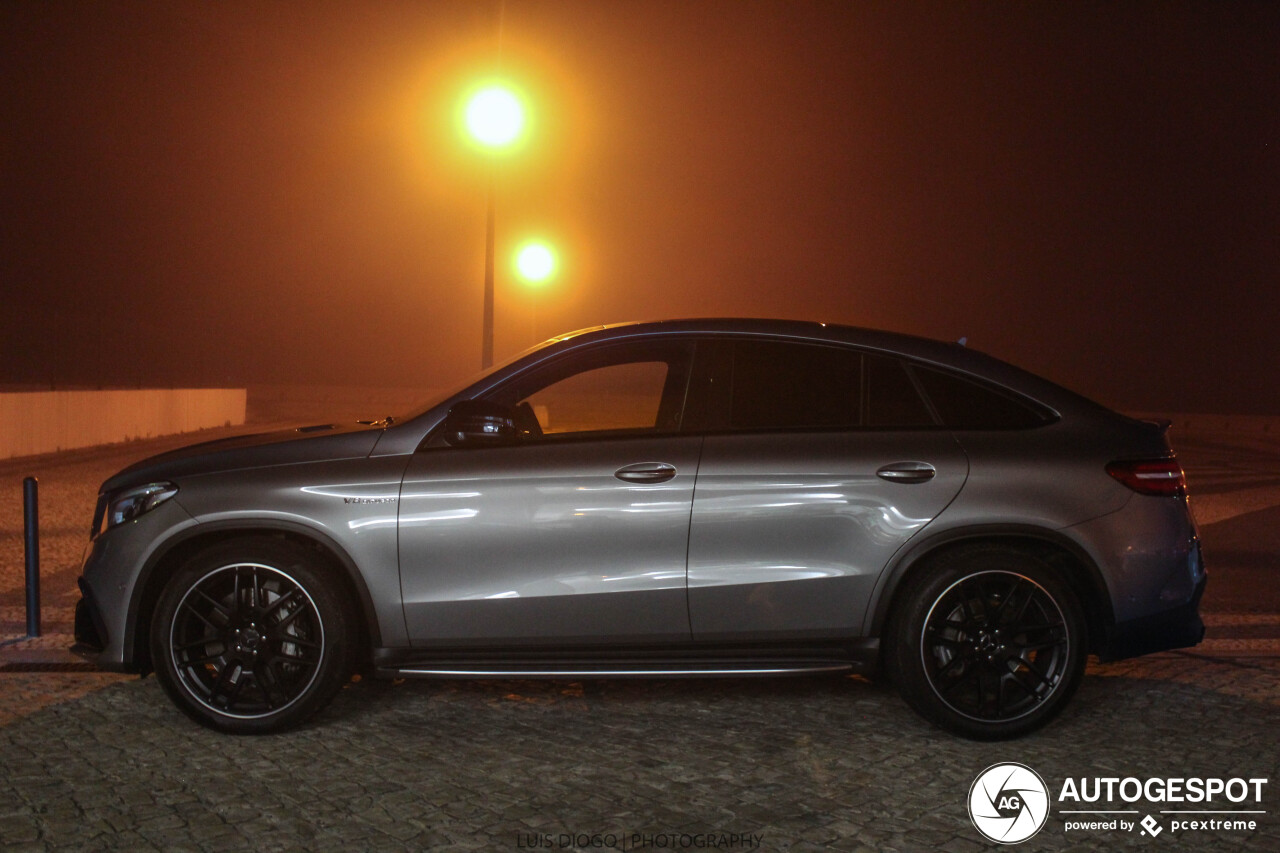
x,y
907,472
646,472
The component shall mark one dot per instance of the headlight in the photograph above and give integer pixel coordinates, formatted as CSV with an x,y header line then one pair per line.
x,y
128,504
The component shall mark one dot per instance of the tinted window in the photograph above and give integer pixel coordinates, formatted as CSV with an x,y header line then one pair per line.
x,y
793,386
622,388
620,396
891,397
967,405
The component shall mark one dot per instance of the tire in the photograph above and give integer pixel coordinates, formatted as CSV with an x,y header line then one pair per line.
x,y
988,643
252,636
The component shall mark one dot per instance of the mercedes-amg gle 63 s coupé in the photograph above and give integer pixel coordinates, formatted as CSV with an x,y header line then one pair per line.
x,y
706,498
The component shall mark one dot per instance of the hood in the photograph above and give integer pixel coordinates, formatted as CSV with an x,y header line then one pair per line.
x,y
284,447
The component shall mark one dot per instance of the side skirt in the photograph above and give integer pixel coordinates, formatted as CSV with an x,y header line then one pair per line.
x,y
860,656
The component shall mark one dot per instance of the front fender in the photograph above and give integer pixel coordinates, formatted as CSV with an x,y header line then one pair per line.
x,y
386,623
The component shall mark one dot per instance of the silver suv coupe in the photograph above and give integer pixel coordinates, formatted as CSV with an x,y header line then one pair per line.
x,y
708,498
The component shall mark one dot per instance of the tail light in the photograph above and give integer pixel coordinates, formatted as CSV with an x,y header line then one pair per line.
x,y
1162,477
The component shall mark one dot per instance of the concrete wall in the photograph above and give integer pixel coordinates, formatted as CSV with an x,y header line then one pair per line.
x,y
46,421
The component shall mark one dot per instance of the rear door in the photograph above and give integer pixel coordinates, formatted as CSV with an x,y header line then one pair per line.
x,y
821,462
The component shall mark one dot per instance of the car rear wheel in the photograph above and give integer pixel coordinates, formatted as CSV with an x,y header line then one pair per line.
x,y
251,636
988,643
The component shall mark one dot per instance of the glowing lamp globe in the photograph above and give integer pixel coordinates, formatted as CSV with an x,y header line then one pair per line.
x,y
535,262
494,116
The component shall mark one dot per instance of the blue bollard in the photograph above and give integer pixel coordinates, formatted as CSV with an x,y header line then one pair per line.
x,y
31,524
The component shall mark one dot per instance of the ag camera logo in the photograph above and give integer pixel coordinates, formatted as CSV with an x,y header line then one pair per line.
x,y
1008,803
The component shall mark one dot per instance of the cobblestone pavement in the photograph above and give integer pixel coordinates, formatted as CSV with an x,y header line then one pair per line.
x,y
804,764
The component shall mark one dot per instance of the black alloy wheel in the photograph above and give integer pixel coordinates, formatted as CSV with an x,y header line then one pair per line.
x,y
251,637
994,646
991,646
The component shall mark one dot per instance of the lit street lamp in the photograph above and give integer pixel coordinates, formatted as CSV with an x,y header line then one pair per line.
x,y
535,264
494,118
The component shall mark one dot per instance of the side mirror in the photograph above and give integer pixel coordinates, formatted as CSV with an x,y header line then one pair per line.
x,y
480,423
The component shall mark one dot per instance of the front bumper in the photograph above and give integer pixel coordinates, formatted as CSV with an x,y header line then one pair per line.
x,y
92,637
110,579
91,631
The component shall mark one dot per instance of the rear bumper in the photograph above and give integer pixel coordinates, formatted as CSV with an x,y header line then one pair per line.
x,y
1178,628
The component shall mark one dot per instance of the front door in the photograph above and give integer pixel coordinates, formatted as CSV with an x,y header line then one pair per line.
x,y
577,533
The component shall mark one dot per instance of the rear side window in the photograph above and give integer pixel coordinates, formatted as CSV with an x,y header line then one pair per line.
x,y
968,405
891,399
780,385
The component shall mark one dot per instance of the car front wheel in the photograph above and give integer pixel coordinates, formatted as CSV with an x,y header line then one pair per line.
x,y
251,636
988,643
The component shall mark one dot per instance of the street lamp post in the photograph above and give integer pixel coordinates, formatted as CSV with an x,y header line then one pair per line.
x,y
486,342
495,119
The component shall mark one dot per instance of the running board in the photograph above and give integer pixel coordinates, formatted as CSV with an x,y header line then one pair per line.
x,y
618,669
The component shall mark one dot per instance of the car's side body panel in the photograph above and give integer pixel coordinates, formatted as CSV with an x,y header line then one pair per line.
x,y
1153,555
791,530
1052,478
351,503
543,543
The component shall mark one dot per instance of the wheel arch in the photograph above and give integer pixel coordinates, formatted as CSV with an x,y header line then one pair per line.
x,y
167,559
1073,563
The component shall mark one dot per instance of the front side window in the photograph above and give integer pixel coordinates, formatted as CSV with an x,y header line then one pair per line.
x,y
620,396
620,389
